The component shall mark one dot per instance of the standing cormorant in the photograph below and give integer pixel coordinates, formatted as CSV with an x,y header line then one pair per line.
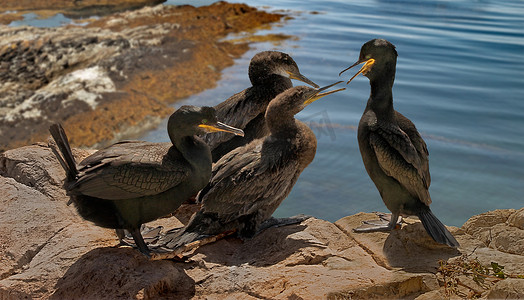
x,y
250,182
132,182
393,152
270,73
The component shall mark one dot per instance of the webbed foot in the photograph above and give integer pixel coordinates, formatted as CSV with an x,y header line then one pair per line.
x,y
386,222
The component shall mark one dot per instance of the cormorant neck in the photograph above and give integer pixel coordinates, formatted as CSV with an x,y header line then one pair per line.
x,y
185,144
381,96
281,122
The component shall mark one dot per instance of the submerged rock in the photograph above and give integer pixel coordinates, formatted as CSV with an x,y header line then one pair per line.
x,y
116,76
49,252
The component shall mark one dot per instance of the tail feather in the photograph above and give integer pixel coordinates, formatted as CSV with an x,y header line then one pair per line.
x,y
64,155
436,229
201,226
192,232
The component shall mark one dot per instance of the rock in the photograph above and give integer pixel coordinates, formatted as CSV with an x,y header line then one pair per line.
x,y
517,219
499,229
12,10
507,289
116,76
49,252
9,5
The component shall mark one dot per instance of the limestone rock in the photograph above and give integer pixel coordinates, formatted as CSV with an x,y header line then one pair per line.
x,y
499,229
517,219
507,289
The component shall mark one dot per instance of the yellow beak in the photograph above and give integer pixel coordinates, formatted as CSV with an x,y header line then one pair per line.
x,y
221,127
317,94
301,78
365,68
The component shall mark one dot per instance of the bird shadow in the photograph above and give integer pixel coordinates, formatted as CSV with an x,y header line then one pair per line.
x,y
267,248
413,250
122,272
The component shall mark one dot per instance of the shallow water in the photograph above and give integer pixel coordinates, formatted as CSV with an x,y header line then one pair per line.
x,y
460,79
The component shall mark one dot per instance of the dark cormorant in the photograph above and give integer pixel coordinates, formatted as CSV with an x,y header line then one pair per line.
x,y
250,182
270,73
132,182
394,153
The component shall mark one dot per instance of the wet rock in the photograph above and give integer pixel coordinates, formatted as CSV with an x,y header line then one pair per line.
x,y
49,252
14,9
115,77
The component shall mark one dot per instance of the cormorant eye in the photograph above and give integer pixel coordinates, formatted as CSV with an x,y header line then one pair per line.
x,y
368,56
204,121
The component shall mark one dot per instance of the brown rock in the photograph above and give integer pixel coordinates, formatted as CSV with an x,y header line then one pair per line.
x,y
116,77
73,7
401,248
479,223
499,229
49,252
517,219
507,289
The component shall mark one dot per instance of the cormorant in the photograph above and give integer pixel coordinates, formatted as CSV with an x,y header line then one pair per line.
x,y
393,152
270,73
133,182
250,182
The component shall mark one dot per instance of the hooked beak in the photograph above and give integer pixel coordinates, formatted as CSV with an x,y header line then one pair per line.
x,y
317,93
221,127
301,78
365,68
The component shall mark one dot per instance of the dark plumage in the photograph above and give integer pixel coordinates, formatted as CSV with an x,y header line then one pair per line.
x,y
131,183
250,182
393,152
270,73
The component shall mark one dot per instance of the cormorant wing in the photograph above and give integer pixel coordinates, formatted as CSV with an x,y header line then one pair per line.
x,y
243,183
399,158
129,170
409,128
237,111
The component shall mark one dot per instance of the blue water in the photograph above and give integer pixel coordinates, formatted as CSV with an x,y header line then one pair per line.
x,y
460,79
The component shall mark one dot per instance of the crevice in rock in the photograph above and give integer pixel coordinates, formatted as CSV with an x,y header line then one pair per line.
x,y
409,288
310,259
375,257
29,255
27,173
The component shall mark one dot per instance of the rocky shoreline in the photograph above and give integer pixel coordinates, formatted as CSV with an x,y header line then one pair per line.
x,y
117,75
49,252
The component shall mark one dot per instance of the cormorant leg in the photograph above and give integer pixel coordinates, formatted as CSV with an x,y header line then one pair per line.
x,y
274,222
139,241
121,236
384,224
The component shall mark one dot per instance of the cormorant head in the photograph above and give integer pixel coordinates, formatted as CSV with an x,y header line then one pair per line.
x,y
191,120
379,58
295,99
267,63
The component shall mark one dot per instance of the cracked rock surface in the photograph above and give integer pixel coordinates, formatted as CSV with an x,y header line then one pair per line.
x,y
49,252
